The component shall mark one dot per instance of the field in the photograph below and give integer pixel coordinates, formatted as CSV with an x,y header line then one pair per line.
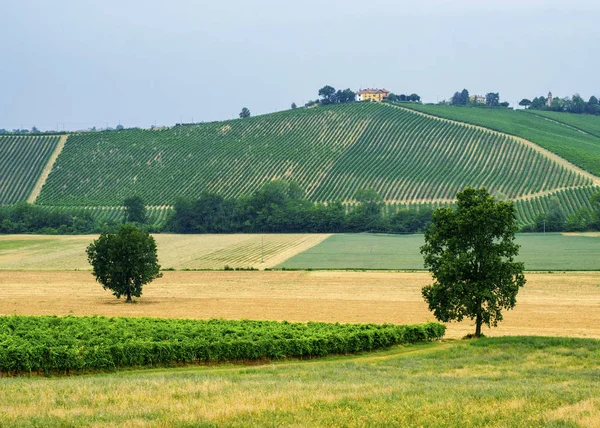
x,y
438,384
584,122
53,252
559,304
331,152
554,251
580,149
22,160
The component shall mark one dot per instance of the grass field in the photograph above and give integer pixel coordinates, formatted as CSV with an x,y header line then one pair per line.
x,y
580,149
499,382
585,122
291,251
560,304
52,252
554,251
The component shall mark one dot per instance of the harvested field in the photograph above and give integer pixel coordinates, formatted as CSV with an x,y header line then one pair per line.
x,y
48,252
558,304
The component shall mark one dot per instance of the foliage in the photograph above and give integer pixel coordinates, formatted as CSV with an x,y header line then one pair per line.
x,y
244,113
329,95
470,252
21,163
575,104
460,98
492,99
73,344
135,210
125,261
294,106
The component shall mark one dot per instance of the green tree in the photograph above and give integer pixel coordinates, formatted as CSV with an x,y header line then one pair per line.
x,y
294,106
492,99
135,210
245,113
125,261
470,252
327,93
525,102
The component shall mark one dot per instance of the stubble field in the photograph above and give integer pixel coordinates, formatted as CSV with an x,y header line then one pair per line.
x,y
558,304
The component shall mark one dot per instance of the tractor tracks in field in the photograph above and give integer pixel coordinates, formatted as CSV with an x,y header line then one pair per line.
x,y
47,168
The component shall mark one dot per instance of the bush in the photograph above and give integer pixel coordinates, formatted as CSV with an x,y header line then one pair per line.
x,y
50,344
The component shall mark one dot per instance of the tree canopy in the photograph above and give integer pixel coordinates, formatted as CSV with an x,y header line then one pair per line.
x,y
135,210
470,252
125,261
244,113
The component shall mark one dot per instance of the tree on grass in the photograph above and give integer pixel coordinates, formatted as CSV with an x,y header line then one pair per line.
x,y
135,210
470,252
125,261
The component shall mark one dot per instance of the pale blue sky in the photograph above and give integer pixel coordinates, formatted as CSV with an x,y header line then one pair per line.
x,y
90,63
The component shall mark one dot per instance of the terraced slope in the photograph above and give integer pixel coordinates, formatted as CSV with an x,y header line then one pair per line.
x,y
578,148
330,151
22,159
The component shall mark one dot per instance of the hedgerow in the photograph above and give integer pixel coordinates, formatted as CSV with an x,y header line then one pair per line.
x,y
51,344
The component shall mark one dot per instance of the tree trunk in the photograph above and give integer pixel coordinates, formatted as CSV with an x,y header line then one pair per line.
x,y
128,298
478,325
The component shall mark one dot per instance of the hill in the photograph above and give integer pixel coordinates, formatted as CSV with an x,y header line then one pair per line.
x,y
331,152
22,161
583,150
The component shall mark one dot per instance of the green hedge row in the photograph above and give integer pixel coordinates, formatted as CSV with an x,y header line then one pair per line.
x,y
73,344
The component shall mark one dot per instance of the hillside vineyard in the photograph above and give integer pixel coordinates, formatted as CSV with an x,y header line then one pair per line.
x,y
22,161
331,152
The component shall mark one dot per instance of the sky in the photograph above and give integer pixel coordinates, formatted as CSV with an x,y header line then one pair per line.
x,y
75,64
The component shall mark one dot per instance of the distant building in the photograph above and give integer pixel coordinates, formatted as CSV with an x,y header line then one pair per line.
x,y
549,100
477,99
371,94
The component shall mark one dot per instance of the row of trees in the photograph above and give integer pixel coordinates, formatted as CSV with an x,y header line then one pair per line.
x,y
277,207
402,97
281,207
462,98
575,104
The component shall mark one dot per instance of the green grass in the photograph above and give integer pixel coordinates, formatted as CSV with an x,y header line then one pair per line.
x,y
518,381
377,251
331,152
580,149
585,122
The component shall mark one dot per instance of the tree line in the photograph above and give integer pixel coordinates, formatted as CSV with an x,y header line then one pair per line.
x,y
277,207
462,98
575,104
281,207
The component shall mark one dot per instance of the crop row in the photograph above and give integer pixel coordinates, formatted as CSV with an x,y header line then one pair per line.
x,y
156,216
577,147
50,344
22,160
331,152
570,201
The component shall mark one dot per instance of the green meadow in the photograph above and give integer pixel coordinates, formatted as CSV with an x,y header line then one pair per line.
x,y
552,251
509,381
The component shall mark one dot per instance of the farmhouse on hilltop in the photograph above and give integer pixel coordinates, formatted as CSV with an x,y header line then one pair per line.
x,y
371,94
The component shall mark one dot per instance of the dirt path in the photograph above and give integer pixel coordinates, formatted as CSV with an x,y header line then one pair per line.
x,y
552,156
46,171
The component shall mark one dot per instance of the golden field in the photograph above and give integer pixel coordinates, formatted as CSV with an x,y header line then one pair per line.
x,y
557,304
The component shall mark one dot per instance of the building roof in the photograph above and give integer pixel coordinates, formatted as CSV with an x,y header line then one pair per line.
x,y
372,91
